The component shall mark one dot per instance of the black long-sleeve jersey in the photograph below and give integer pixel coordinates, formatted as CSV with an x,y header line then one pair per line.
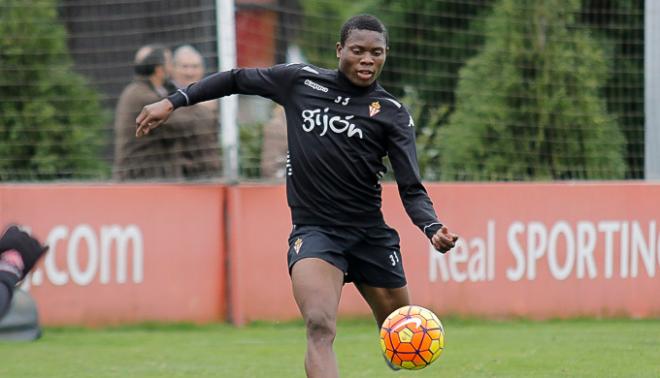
x,y
338,135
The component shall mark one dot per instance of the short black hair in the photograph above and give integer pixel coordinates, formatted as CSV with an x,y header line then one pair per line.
x,y
363,22
156,57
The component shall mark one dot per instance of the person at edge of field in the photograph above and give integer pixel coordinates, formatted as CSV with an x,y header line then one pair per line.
x,y
198,151
341,124
18,254
154,158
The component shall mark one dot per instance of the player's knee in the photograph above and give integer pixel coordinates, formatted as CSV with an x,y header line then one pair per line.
x,y
321,327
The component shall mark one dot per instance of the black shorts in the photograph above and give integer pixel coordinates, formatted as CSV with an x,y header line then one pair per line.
x,y
366,255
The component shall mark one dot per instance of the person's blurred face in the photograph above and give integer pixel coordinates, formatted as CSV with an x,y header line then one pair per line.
x,y
362,56
162,72
188,68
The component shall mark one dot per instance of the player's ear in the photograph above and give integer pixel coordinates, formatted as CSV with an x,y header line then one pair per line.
x,y
338,48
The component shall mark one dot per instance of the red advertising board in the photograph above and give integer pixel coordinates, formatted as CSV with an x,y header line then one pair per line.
x,y
123,253
546,250
131,253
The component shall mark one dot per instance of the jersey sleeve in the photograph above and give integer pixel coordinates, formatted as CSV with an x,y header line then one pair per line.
x,y
402,153
272,82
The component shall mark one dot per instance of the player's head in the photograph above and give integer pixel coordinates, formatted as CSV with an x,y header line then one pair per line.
x,y
362,49
188,66
153,61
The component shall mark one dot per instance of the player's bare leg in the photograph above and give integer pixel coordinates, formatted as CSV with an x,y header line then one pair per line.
x,y
317,288
384,300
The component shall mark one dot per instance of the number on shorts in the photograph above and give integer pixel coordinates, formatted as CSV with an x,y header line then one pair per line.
x,y
394,258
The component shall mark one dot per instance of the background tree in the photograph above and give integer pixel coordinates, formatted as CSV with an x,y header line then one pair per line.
x,y
619,25
50,120
321,23
528,106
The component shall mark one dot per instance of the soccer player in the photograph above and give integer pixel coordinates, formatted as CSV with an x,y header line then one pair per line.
x,y
18,254
341,124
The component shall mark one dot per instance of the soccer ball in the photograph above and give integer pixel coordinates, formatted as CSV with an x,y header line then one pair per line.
x,y
412,337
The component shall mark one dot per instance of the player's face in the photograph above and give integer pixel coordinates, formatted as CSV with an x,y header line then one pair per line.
x,y
362,56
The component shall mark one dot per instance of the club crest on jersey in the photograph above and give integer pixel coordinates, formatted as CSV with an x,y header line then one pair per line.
x,y
374,108
297,245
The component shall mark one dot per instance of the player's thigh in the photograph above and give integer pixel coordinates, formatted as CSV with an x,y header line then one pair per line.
x,y
317,288
324,243
383,300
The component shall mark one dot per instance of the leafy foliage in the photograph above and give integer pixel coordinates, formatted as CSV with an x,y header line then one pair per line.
x,y
50,120
619,25
251,141
529,105
540,107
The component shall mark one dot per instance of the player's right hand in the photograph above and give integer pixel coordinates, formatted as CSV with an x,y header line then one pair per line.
x,y
152,116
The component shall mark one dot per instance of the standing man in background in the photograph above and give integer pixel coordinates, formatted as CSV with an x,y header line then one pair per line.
x,y
188,66
145,159
199,150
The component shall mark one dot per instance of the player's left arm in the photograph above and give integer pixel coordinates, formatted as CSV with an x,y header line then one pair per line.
x,y
402,152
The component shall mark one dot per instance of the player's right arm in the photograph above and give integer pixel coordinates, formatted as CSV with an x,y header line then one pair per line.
x,y
152,116
273,83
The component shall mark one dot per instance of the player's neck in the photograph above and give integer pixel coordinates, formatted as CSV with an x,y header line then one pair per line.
x,y
346,83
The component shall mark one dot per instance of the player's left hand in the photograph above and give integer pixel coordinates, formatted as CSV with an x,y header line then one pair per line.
x,y
443,240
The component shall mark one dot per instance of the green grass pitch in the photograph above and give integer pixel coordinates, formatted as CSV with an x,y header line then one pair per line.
x,y
474,348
